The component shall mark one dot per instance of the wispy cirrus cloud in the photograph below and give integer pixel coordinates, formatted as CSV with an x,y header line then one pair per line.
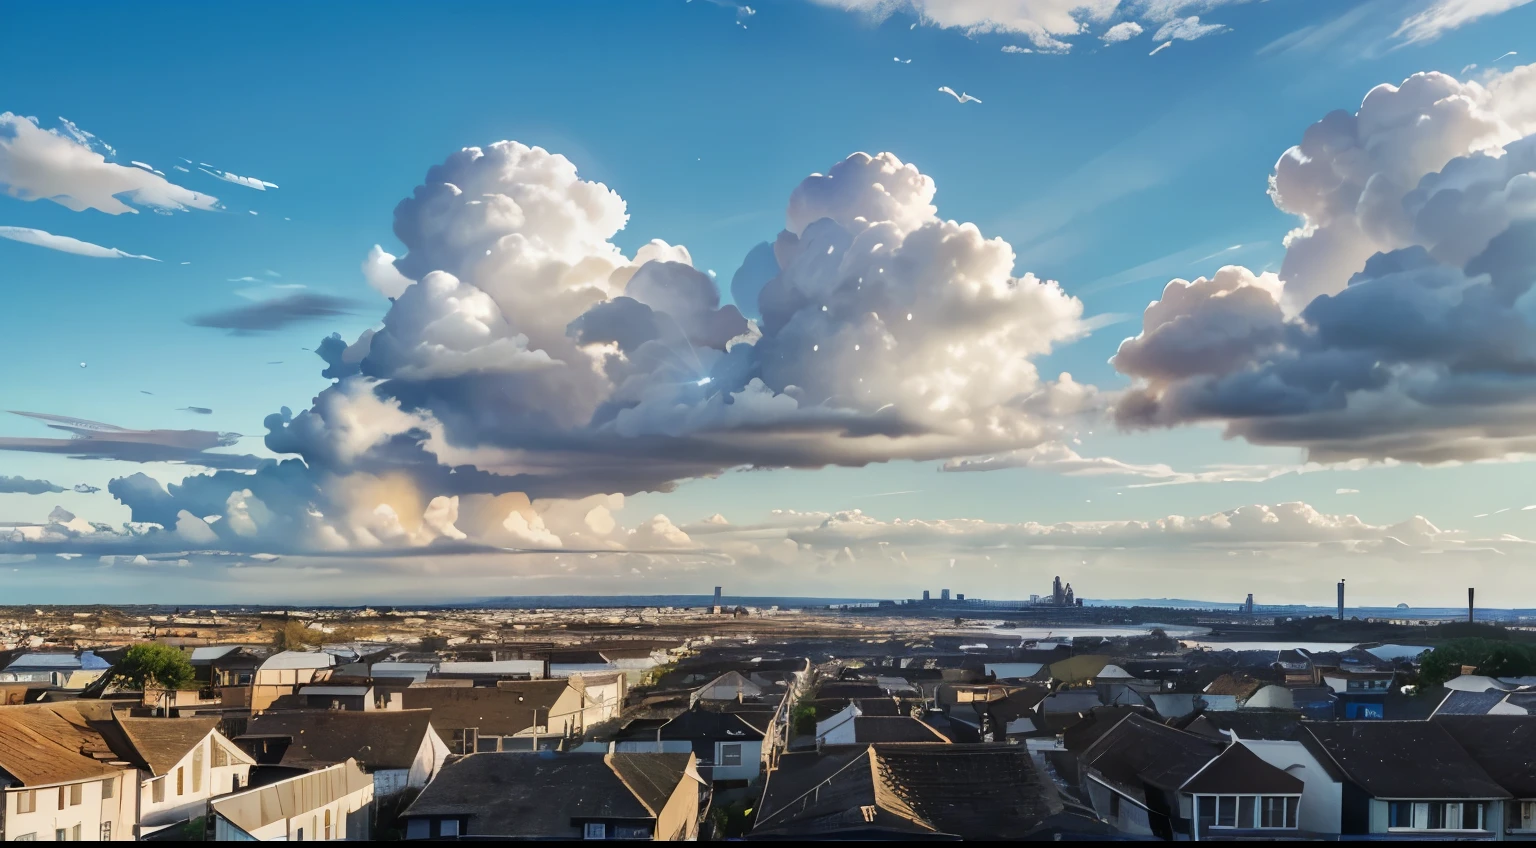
x,y
65,244
71,168
1442,16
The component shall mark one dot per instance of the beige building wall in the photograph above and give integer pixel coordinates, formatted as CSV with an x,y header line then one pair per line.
x,y
678,821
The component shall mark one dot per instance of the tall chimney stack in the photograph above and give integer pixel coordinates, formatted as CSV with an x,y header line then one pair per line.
x,y
1470,592
1341,600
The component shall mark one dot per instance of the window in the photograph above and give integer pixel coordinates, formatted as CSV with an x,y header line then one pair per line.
x,y
220,756
327,825
181,782
595,830
158,793
448,827
26,802
76,794
61,835
1245,810
27,837
1278,811
1527,815
106,832
298,835
1435,815
197,769
1226,811
63,796
465,740
108,788
418,829
74,833
730,753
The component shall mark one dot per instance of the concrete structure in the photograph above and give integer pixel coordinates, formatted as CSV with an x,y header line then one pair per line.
x,y
283,674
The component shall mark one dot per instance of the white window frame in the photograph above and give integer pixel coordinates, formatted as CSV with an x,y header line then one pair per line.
x,y
1421,816
1255,804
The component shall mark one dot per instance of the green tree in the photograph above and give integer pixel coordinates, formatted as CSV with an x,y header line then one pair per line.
x,y
152,665
803,717
1490,658
294,636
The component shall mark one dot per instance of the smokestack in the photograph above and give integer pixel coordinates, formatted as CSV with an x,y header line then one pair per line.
x,y
1341,600
1470,617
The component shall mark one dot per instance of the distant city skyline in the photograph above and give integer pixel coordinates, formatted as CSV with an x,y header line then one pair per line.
x,y
825,298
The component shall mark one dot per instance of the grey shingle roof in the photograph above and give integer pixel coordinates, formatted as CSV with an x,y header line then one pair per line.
x,y
1403,759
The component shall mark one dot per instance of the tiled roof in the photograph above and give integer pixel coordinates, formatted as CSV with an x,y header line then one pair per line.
x,y
377,739
162,742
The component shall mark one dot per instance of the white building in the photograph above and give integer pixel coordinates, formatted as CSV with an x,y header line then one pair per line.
x,y
59,781
333,803
182,762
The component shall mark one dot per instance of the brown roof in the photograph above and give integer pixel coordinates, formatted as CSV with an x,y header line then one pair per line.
x,y
1239,771
504,711
51,743
161,742
1229,685
376,739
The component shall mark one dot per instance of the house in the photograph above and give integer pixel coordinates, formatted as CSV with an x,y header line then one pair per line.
x,y
59,780
1502,746
910,791
334,803
471,718
1404,778
399,748
218,666
560,796
731,686
181,762
1322,793
1239,794
1361,693
283,673
60,671
853,727
1134,774
726,746
344,696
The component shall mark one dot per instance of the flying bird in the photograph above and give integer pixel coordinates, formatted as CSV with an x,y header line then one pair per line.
x,y
961,97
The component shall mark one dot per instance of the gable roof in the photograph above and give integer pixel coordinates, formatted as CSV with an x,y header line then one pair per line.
x,y
161,743
1239,771
652,777
51,743
1139,752
254,809
970,791
502,711
1269,725
1402,759
538,794
1501,745
376,739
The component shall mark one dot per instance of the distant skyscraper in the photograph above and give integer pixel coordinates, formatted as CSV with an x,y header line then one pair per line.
x,y
1058,597
960,596
1070,600
925,594
943,594
1248,605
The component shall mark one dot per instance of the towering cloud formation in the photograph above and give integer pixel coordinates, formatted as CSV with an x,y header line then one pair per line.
x,y
1402,323
525,355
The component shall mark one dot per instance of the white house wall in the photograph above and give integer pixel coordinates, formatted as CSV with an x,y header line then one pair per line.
x,y
216,780
89,814
1322,797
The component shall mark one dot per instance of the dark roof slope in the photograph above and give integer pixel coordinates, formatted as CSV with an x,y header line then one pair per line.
x,y
969,791
869,729
1271,725
1139,752
376,739
974,792
537,795
1502,745
1403,759
652,777
1240,771
698,725
503,711
1460,703
161,742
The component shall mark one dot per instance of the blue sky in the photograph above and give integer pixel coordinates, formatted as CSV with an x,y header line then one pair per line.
x,y
1106,169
